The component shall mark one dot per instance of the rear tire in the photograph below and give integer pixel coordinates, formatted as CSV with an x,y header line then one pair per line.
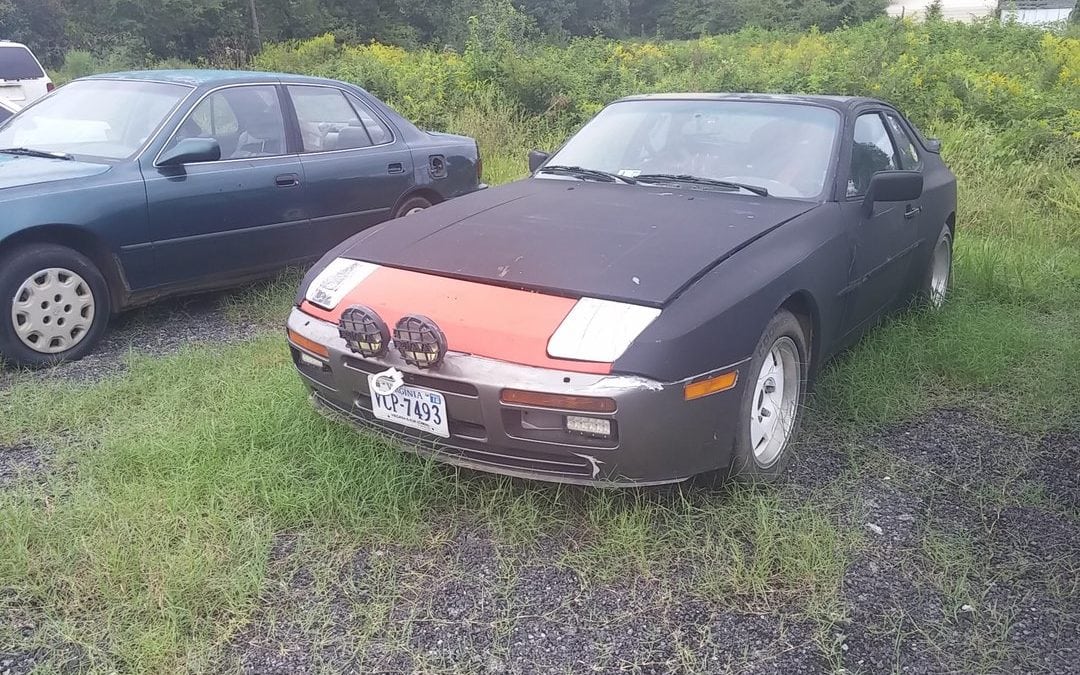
x,y
772,401
54,305
412,205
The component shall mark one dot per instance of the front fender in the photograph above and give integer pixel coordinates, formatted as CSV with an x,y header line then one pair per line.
x,y
720,318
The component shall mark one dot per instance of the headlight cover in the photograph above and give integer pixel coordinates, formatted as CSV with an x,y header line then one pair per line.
x,y
336,280
599,330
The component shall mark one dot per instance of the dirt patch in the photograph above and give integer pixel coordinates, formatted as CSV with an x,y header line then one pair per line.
x,y
21,463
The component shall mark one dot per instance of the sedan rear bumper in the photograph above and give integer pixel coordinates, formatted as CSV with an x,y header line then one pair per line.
x,y
657,436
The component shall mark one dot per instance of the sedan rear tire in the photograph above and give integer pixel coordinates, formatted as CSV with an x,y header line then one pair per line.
x,y
54,305
412,205
772,400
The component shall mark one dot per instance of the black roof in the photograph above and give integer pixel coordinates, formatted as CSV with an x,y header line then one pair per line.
x,y
840,102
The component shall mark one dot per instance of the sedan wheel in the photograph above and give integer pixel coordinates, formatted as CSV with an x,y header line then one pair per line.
x,y
53,310
775,402
54,305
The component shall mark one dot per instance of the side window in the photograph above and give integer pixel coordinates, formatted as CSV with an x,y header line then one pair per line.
x,y
909,156
245,121
327,120
872,152
379,132
4,115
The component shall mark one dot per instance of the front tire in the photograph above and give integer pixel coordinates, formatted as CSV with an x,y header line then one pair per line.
x,y
938,278
772,400
54,305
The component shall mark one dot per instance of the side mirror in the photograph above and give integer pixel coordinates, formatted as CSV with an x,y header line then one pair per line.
x,y
893,186
537,159
191,151
933,145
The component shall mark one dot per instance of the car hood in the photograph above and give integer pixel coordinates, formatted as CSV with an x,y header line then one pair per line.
x,y
20,170
638,244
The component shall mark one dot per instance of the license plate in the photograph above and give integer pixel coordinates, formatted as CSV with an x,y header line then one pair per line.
x,y
414,407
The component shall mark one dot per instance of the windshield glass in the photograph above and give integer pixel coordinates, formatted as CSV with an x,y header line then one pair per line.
x,y
109,119
785,148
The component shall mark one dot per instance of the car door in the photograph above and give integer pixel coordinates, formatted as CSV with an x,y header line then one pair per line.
x,y
883,237
355,165
237,215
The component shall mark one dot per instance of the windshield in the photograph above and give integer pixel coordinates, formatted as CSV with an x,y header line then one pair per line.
x,y
785,148
109,119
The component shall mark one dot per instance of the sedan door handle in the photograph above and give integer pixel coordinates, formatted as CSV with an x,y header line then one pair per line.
x,y
396,167
287,180
912,211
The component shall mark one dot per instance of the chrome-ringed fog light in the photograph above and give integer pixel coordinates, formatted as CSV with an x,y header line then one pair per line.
x,y
364,331
419,341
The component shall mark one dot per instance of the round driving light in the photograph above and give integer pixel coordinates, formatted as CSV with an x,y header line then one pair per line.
x,y
419,341
363,331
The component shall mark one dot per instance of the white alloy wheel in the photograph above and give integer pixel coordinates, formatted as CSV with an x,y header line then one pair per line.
x,y
53,310
411,211
940,270
774,406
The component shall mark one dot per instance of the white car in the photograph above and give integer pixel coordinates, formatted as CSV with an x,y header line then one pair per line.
x,y
7,109
22,79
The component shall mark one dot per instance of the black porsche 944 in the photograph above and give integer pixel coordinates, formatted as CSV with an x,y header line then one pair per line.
x,y
651,303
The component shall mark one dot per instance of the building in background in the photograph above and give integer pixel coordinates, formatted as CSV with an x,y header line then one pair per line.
x,y
1037,11
1023,11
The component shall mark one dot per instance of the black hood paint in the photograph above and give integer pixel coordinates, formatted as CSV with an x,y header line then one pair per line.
x,y
631,243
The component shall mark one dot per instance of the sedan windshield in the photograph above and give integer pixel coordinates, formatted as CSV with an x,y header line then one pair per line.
x,y
110,119
782,148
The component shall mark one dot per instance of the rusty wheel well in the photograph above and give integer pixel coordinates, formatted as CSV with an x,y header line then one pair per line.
x,y
79,240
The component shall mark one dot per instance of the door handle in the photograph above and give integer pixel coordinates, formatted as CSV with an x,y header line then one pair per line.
x,y
912,211
287,180
396,167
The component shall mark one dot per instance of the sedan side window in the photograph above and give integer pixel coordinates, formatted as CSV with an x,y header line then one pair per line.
x,y
872,152
245,121
909,156
328,120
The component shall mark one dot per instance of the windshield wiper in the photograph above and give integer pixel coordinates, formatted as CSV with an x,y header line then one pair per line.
x,y
583,173
36,153
699,180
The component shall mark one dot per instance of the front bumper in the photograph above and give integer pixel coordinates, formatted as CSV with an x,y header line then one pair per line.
x,y
658,436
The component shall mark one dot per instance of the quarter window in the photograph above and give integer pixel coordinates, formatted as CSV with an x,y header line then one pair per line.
x,y
909,156
872,152
245,121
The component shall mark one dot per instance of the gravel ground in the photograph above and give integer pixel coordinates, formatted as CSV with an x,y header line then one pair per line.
x,y
22,462
999,594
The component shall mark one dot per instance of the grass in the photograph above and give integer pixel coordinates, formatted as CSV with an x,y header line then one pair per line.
x,y
151,550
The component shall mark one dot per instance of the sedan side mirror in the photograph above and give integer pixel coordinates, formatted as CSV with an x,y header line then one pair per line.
x,y
893,186
537,159
933,145
191,151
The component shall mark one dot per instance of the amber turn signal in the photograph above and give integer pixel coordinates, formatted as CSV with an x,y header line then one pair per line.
x,y
712,385
308,345
558,401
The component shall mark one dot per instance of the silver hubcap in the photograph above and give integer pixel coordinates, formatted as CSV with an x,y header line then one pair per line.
x,y
939,274
776,395
418,209
53,310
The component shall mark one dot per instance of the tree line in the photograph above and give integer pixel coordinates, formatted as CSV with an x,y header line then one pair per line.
x,y
229,31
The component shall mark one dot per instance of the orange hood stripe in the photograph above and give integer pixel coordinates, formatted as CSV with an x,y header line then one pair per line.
x,y
491,321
